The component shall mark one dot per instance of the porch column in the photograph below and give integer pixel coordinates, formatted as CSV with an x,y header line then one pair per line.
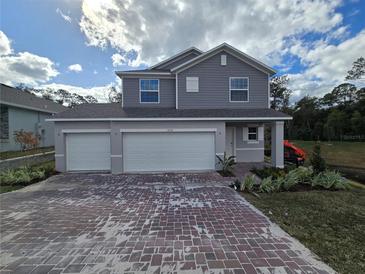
x,y
277,144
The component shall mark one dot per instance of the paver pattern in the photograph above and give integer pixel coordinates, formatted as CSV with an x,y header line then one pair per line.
x,y
172,223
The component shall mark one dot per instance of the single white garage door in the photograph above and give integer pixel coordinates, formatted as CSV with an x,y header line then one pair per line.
x,y
168,151
88,151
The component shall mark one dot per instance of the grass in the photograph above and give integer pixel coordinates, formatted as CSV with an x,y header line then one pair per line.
x,y
346,157
47,167
330,223
13,154
346,154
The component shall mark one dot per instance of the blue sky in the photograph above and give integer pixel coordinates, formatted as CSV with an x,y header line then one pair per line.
x,y
314,42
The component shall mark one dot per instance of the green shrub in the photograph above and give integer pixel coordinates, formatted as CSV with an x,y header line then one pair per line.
x,y
25,175
291,180
330,180
267,185
278,184
248,183
303,174
227,164
316,159
269,171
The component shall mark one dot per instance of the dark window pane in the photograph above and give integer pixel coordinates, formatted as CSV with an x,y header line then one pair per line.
x,y
149,84
149,97
239,83
252,129
4,122
252,136
238,95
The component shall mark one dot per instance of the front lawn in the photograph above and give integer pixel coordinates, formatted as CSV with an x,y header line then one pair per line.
x,y
13,154
330,223
346,154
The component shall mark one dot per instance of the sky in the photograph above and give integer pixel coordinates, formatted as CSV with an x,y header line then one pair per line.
x,y
78,45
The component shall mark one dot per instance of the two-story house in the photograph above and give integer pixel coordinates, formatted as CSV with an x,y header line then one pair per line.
x,y
177,115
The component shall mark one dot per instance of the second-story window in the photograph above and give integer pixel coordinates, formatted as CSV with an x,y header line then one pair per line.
x,y
149,90
238,89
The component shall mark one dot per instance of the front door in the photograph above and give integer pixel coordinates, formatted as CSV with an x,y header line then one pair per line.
x,y
230,141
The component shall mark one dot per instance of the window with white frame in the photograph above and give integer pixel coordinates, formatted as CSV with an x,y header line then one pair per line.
x,y
192,84
252,134
149,90
238,89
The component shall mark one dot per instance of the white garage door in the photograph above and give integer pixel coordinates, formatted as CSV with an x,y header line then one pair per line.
x,y
88,151
168,151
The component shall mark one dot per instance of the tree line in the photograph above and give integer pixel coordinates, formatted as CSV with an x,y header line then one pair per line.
x,y
338,115
71,99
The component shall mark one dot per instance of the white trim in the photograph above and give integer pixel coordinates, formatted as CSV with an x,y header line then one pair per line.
x,y
158,92
190,78
177,92
205,55
59,155
248,89
177,56
234,142
30,108
277,119
97,130
126,130
220,154
251,148
143,73
253,142
116,156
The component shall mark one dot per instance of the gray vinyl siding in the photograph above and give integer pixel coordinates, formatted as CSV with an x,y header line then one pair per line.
x,y
214,84
178,62
131,93
28,120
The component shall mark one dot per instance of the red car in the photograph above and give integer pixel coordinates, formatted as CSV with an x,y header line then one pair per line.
x,y
293,154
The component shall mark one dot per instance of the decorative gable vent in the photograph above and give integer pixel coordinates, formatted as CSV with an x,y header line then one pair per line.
x,y
223,59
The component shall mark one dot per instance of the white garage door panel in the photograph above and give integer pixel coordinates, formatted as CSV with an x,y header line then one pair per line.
x,y
88,151
168,151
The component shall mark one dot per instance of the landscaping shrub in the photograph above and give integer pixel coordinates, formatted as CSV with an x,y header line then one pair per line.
x,y
290,180
227,164
248,183
267,185
330,180
265,172
316,159
26,175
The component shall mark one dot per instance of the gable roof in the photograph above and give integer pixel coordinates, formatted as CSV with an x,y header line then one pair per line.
x,y
235,52
22,99
177,56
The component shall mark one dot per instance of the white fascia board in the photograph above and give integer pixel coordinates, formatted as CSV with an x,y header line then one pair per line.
x,y
206,55
175,57
138,130
96,130
173,119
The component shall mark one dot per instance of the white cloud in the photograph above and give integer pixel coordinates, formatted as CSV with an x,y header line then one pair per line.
x,y
75,68
156,30
327,65
5,45
117,59
64,16
26,68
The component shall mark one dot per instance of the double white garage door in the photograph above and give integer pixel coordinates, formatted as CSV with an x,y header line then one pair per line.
x,y
143,152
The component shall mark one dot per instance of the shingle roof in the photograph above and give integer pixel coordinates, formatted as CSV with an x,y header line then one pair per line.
x,y
15,97
115,111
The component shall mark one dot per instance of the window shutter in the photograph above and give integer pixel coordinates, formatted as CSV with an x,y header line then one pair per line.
x,y
245,133
192,84
260,133
223,60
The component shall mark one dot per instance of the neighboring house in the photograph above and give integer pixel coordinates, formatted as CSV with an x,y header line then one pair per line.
x,y
22,110
177,115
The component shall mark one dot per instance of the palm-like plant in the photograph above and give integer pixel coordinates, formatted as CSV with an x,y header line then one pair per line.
x,y
227,163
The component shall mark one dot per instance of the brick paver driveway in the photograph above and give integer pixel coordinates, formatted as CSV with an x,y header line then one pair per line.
x,y
96,223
